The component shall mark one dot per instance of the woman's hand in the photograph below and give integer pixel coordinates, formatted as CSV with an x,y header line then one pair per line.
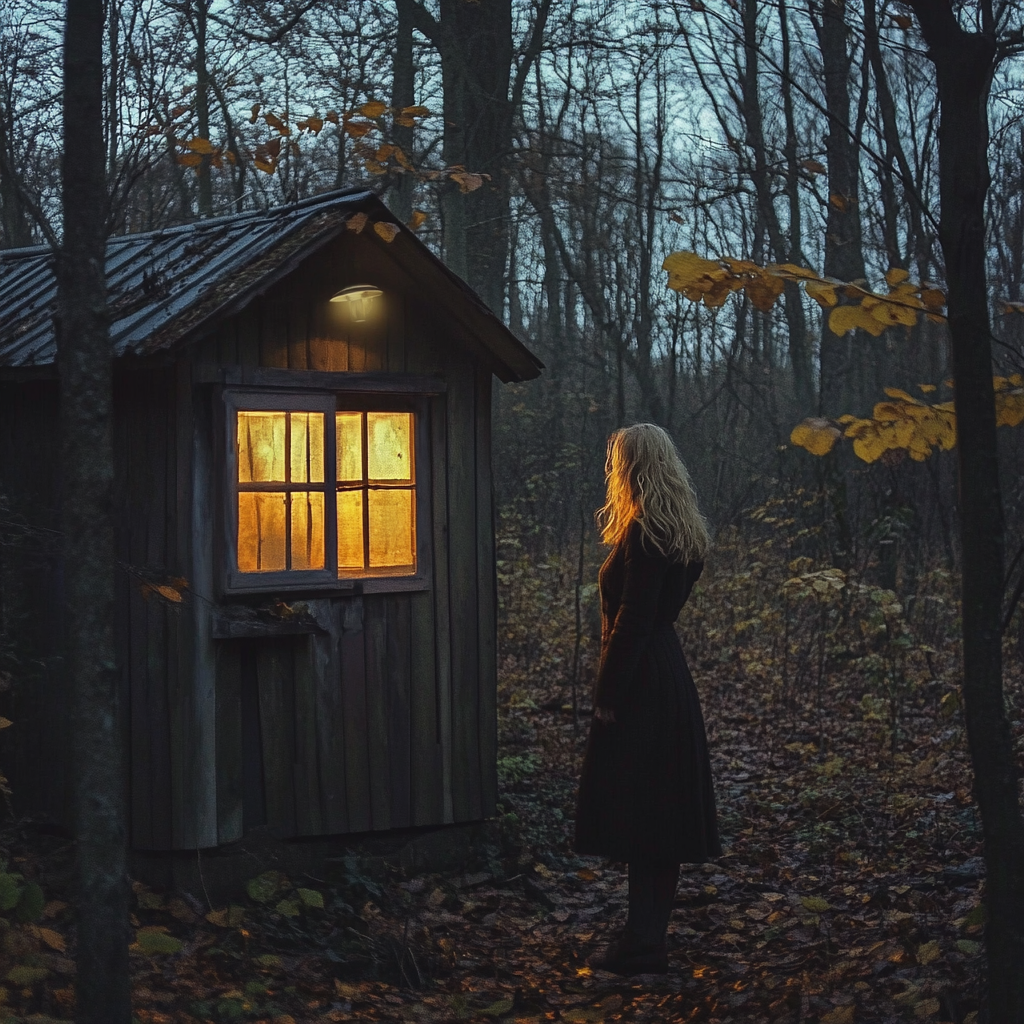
x,y
605,715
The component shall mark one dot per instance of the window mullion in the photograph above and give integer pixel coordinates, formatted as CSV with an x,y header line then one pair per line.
x,y
287,489
366,491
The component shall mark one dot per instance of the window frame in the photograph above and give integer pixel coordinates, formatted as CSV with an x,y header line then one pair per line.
x,y
328,579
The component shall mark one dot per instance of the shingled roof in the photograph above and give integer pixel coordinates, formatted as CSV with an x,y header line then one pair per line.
x,y
171,286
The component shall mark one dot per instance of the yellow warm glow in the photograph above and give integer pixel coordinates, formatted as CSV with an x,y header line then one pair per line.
x,y
389,443
261,531
350,530
282,527
307,530
392,529
307,455
261,447
350,446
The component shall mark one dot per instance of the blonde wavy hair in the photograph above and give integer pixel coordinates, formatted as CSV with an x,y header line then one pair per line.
x,y
647,481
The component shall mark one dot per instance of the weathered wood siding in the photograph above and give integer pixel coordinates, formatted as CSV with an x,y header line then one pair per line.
x,y
33,751
382,716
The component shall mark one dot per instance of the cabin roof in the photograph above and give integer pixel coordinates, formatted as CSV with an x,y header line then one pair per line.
x,y
169,287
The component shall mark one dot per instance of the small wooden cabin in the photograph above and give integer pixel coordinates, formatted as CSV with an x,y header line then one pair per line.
x,y
304,512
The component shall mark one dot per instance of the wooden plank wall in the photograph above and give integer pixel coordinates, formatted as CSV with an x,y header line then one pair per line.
x,y
386,717
33,750
146,501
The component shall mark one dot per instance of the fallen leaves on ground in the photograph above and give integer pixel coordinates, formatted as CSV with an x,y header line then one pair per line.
x,y
851,889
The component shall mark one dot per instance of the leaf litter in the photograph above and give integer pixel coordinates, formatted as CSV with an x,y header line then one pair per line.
x,y
851,888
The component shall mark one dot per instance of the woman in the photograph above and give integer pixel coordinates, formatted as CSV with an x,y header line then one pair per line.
x,y
645,793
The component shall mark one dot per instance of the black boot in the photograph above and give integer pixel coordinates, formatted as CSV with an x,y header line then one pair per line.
x,y
627,955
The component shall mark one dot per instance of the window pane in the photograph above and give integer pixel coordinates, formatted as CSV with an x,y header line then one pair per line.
x,y
260,446
350,529
261,526
392,528
350,446
389,437
307,530
307,442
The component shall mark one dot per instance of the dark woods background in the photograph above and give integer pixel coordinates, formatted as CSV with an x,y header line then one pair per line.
x,y
775,131
554,152
606,137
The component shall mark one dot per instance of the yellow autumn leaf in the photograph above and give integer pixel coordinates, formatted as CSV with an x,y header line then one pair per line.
x,y
868,446
849,318
928,952
764,290
895,276
5,723
466,180
926,388
692,274
277,124
817,435
416,111
919,449
200,145
840,1015
357,129
417,220
53,939
373,108
1009,410
386,230
357,222
893,313
190,159
793,270
822,292
744,266
901,395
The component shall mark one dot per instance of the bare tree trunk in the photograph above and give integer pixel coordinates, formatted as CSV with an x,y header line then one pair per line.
x,y
844,256
476,69
14,225
785,248
87,458
203,109
403,94
964,64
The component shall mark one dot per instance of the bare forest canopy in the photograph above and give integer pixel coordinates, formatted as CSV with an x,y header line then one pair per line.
x,y
555,153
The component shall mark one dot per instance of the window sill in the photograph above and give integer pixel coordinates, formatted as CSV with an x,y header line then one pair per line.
x,y
242,584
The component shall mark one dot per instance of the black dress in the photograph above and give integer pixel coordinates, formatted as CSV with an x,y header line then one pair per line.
x,y
645,791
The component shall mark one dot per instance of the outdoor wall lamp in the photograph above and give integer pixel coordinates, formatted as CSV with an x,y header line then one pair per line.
x,y
358,299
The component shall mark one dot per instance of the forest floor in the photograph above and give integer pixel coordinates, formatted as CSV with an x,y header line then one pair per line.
x,y
851,889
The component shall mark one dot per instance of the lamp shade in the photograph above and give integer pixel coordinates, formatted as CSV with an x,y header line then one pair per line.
x,y
358,298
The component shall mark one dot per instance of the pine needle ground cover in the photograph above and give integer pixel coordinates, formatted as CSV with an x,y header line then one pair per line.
x,y
851,889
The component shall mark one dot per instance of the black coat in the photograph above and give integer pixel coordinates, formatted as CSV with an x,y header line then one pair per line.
x,y
645,791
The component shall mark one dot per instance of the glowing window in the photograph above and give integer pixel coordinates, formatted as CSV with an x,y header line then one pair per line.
x,y
323,494
376,481
281,510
